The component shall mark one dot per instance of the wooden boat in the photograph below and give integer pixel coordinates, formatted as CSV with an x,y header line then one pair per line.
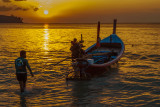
x,y
103,54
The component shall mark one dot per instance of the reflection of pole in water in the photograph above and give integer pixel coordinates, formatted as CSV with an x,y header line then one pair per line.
x,y
80,92
23,101
46,34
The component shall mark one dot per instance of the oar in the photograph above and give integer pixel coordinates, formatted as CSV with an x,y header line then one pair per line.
x,y
61,61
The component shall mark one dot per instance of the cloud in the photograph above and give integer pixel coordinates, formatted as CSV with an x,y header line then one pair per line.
x,y
4,8
6,0
11,7
20,0
36,9
14,8
14,0
20,8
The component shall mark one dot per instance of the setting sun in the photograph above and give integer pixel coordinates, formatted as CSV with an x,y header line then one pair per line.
x,y
82,11
45,12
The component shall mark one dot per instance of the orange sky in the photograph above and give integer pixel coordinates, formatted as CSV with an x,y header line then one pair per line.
x,y
83,11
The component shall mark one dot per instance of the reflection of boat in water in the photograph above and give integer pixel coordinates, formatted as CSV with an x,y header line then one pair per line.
x,y
101,56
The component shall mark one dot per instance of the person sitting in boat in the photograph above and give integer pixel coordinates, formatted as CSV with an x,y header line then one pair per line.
x,y
75,48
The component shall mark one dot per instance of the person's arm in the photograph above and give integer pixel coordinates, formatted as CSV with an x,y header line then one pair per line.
x,y
27,64
15,66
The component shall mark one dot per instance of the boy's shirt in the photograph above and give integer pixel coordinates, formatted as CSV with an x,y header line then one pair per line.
x,y
20,65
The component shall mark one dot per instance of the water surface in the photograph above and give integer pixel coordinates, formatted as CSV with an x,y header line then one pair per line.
x,y
134,82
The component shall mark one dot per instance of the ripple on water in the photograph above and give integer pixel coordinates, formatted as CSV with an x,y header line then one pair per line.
x,y
2,68
143,58
154,56
152,103
141,99
156,60
133,56
141,79
140,66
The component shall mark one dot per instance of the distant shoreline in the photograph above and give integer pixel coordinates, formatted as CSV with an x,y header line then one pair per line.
x,y
10,19
88,23
96,23
70,23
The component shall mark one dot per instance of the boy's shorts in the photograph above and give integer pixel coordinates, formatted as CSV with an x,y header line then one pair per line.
x,y
21,76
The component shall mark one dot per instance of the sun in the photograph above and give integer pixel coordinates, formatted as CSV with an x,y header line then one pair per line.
x,y
45,12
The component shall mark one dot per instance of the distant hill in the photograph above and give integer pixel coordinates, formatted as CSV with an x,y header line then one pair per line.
x,y
10,19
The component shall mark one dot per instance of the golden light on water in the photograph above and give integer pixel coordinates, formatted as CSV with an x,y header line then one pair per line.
x,y
134,81
46,37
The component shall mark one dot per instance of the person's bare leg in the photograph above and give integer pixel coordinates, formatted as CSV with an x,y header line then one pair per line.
x,y
21,86
24,85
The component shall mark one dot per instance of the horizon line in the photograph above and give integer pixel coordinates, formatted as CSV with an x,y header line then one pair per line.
x,y
88,23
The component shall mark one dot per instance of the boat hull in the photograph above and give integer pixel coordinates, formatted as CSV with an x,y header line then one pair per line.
x,y
115,45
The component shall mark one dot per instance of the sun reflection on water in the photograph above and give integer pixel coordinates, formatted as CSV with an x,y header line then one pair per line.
x,y
46,37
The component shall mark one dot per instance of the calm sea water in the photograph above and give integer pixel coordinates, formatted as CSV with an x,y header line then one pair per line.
x,y
134,82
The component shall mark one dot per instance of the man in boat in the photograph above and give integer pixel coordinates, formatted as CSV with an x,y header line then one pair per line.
x,y
77,56
21,73
75,48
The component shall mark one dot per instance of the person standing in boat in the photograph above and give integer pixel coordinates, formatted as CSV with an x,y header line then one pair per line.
x,y
75,49
77,56
21,73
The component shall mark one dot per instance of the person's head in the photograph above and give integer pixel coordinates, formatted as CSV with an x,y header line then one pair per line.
x,y
23,54
75,40
72,43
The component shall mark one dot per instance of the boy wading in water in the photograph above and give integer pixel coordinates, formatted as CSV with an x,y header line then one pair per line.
x,y
21,72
